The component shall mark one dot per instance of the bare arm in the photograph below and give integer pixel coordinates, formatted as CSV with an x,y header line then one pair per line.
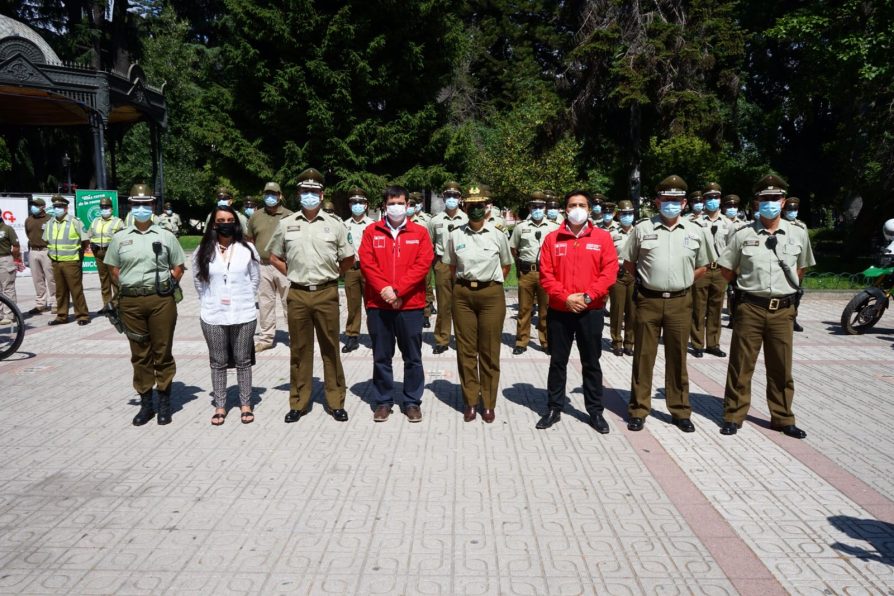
x,y
346,264
279,264
177,272
116,274
700,272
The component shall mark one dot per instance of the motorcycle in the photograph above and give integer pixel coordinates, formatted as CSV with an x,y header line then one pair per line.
x,y
866,308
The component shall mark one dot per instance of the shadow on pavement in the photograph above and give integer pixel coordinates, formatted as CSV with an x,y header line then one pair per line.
x,y
879,534
448,393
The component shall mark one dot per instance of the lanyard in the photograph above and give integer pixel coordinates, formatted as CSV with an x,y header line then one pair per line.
x,y
227,256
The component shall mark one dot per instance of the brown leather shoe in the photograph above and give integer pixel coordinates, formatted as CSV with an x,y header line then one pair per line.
x,y
414,414
382,413
469,414
488,416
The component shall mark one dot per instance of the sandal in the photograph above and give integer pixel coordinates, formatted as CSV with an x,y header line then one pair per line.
x,y
218,419
248,417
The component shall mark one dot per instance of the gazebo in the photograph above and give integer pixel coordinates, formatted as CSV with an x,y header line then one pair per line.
x,y
38,89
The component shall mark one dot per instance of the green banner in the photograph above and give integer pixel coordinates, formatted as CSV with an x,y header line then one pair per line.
x,y
87,209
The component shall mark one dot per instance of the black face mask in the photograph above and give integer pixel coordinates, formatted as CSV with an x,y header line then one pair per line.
x,y
226,229
476,213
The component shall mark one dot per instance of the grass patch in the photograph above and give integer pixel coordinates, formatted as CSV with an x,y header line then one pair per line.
x,y
190,242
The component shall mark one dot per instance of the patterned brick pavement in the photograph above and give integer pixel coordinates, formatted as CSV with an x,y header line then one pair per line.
x,y
91,504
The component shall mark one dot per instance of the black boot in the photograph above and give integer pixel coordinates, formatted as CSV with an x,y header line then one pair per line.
x,y
164,407
146,410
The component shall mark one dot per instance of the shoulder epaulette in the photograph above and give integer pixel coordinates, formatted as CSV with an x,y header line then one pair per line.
x,y
743,226
641,220
799,223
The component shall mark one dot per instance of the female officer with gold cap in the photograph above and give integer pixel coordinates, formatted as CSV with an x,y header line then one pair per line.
x,y
479,259
146,262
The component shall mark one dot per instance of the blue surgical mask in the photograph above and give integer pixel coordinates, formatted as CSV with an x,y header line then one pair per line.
x,y
670,209
223,202
712,205
731,212
358,209
411,211
698,207
607,218
770,209
626,220
142,214
310,200
59,211
552,213
171,211
597,209
271,200
35,210
451,203
249,211
537,214
791,215
106,212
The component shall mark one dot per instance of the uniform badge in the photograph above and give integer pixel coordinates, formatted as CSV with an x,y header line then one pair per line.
x,y
460,246
378,242
593,246
126,243
561,249
650,237
751,243
293,228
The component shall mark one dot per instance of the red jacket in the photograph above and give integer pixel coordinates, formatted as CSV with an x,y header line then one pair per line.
x,y
401,263
570,265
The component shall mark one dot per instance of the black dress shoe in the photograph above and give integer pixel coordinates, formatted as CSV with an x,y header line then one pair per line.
x,y
164,407
698,353
791,430
730,428
716,351
797,326
552,416
351,344
547,351
426,323
628,351
518,350
439,349
294,415
617,351
684,424
599,424
35,311
83,322
340,414
635,424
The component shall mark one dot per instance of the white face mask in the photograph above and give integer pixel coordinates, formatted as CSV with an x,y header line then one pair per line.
x,y
577,215
396,213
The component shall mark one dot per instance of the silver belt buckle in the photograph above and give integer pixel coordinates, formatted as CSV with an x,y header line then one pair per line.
x,y
774,304
473,284
665,294
312,288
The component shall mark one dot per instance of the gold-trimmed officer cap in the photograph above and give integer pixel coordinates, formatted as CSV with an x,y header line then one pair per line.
x,y
537,197
608,206
105,202
477,194
770,185
223,191
452,186
141,193
272,187
711,188
599,198
730,201
356,193
310,179
625,205
415,198
39,202
792,203
58,199
551,195
695,195
249,202
672,186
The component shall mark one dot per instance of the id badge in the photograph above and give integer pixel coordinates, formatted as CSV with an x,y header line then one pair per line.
x,y
225,300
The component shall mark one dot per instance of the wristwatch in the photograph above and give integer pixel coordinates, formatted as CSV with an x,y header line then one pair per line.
x,y
587,299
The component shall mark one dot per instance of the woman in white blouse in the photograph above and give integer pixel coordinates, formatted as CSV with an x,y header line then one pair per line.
x,y
227,274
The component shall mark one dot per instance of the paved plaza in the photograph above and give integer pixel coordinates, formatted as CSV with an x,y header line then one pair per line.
x,y
90,504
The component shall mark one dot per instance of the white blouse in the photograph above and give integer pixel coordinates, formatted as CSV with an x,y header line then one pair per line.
x,y
228,298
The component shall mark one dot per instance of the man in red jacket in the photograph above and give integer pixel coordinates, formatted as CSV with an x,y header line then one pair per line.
x,y
395,255
578,265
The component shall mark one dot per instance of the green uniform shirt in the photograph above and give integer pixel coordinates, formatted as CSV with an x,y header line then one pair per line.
x,y
101,230
355,230
421,218
717,231
478,256
311,249
439,229
8,239
262,226
34,227
758,268
619,239
131,251
170,222
666,258
497,221
525,240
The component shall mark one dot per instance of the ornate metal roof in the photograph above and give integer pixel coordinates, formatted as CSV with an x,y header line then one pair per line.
x,y
31,41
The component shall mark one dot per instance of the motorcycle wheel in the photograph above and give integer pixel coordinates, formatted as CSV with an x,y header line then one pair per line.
x,y
862,313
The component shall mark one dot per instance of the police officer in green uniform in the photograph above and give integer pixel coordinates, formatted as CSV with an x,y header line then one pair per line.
x,y
10,260
696,202
146,263
790,212
667,253
731,208
249,206
170,220
553,207
311,248
128,219
491,214
525,242
708,291
767,259
417,214
100,235
608,216
66,242
479,258
356,224
439,228
225,199
596,208
621,293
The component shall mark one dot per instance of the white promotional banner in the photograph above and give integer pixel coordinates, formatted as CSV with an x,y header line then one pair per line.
x,y
14,211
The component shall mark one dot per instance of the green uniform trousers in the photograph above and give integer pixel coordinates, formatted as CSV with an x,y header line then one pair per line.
x,y
354,297
308,312
707,303
155,316
529,288
69,281
671,317
444,289
106,283
621,311
429,294
478,316
753,327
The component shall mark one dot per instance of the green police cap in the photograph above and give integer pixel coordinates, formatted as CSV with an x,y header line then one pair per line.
x,y
452,187
537,197
39,202
310,179
672,186
357,193
770,185
58,200
730,201
249,202
625,205
599,198
477,194
551,195
415,198
608,206
141,193
711,188
105,202
223,191
792,203
695,195
272,187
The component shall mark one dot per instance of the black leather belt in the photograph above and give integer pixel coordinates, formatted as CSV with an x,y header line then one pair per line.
x,y
316,288
143,291
37,248
655,294
769,303
477,285
524,267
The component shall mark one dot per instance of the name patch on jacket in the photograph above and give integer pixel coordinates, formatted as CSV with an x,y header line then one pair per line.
x,y
650,237
751,243
293,228
413,241
594,247
561,249
126,243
